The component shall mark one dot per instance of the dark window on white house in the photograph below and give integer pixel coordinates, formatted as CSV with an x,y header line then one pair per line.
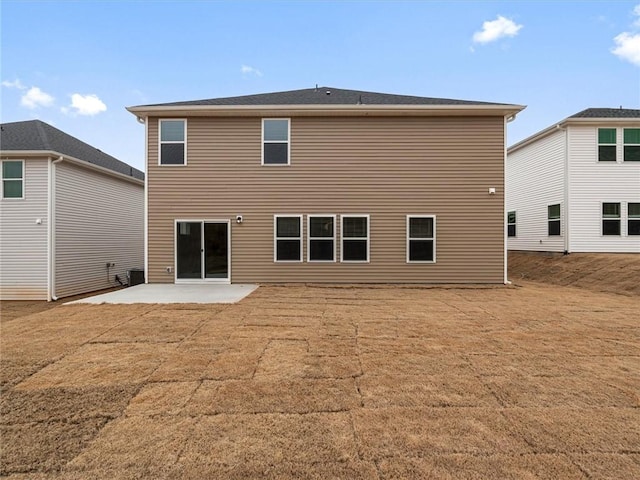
x,y
322,238
511,223
631,145
275,141
633,219
355,238
288,238
173,145
610,219
606,144
421,238
553,220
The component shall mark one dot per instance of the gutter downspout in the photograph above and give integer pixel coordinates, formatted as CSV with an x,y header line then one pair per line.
x,y
508,119
565,199
51,228
146,197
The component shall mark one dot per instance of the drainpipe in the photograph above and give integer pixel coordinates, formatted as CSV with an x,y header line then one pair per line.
x,y
51,207
565,209
508,119
146,196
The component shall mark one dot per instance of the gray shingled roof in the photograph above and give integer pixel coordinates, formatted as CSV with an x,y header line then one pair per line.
x,y
34,135
323,96
607,113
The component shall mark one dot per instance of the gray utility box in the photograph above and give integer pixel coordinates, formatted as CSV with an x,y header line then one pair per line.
x,y
136,276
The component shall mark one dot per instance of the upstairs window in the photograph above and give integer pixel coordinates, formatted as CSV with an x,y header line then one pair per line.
x,y
606,144
275,141
610,219
12,179
287,238
421,238
511,223
322,238
631,146
633,220
173,145
355,238
553,220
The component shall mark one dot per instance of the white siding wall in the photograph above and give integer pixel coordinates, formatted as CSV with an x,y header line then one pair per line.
x,y
594,182
99,219
23,243
535,180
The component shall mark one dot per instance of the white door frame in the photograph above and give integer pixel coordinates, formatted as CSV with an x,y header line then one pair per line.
x,y
202,262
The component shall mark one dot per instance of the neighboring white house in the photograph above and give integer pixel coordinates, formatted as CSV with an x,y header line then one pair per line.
x,y
71,216
575,186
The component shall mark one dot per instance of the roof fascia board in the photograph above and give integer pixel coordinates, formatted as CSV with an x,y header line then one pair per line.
x,y
45,154
327,110
571,121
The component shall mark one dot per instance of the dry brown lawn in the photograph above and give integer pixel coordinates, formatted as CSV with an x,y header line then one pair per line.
x,y
303,382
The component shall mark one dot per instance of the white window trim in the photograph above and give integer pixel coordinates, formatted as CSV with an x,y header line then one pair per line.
x,y
619,219
343,238
515,224
408,238
21,179
276,238
598,145
624,144
309,237
160,142
288,142
559,219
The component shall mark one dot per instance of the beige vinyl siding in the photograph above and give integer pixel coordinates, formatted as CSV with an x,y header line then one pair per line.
x,y
384,167
23,242
99,219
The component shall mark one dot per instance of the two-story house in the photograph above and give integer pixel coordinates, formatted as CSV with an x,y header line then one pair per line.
x,y
575,186
71,216
325,185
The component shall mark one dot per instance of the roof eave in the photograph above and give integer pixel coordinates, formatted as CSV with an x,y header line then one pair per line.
x,y
569,121
325,110
76,161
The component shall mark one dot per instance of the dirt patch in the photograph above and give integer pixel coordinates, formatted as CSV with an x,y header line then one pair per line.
x,y
605,272
528,381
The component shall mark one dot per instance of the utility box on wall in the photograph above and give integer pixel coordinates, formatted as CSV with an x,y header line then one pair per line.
x,y
136,276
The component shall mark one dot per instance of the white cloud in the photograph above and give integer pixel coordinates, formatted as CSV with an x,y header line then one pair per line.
x,y
627,44
15,84
85,105
627,47
247,70
496,29
36,98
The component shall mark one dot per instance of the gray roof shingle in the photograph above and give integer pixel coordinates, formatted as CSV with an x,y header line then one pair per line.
x,y
322,96
607,113
34,135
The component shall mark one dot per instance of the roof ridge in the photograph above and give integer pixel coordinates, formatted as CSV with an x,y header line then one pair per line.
x,y
43,134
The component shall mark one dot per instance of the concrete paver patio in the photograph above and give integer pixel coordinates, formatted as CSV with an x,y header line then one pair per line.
x,y
311,382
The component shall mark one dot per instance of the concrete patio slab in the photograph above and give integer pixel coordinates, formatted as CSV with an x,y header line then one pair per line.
x,y
172,293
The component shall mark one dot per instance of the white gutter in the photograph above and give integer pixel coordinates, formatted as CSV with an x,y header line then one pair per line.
x,y
566,188
146,199
571,121
326,110
75,161
51,254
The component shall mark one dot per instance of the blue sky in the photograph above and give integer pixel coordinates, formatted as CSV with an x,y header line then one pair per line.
x,y
78,64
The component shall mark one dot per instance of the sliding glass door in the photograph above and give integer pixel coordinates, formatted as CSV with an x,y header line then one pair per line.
x,y
202,250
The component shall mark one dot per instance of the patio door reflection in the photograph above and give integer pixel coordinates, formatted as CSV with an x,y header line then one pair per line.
x,y
202,250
